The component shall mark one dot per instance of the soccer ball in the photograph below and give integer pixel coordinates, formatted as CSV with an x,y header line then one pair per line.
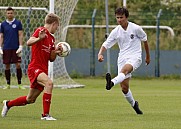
x,y
66,49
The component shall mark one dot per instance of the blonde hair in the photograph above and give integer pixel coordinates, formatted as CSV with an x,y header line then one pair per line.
x,y
51,18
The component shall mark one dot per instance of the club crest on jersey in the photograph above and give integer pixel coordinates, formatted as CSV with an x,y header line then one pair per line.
x,y
14,25
132,36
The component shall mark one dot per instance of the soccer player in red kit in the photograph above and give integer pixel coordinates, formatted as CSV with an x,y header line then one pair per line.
x,y
43,51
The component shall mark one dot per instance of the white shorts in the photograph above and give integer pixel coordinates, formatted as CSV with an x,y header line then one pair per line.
x,y
134,61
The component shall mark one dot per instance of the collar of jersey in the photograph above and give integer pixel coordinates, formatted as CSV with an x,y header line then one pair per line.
x,y
10,22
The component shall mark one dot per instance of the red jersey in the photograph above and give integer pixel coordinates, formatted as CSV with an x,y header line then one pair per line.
x,y
40,51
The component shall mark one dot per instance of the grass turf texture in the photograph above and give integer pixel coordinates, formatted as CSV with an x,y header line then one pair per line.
x,y
93,107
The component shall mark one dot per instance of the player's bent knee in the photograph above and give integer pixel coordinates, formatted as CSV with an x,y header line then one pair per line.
x,y
50,84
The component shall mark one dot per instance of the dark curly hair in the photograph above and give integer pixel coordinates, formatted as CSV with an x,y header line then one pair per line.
x,y
122,11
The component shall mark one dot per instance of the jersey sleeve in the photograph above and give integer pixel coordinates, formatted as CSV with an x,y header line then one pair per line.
x,y
36,33
20,27
1,29
141,34
111,40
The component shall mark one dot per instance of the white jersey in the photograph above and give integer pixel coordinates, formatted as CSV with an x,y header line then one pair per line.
x,y
129,40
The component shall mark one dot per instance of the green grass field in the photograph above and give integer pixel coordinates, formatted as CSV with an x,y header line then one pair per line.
x,y
92,107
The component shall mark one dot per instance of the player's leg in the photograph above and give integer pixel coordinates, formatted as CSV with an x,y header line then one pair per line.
x,y
7,61
18,72
129,97
132,64
33,95
20,101
23,100
127,92
45,81
19,75
7,76
17,60
127,68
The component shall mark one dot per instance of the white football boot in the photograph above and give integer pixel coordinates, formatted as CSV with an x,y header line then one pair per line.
x,y
5,109
47,117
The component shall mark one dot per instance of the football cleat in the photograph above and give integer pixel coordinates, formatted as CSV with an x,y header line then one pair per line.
x,y
136,108
6,87
21,87
109,83
47,117
5,109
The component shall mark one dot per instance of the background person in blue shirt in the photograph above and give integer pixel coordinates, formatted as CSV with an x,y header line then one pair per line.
x,y
11,45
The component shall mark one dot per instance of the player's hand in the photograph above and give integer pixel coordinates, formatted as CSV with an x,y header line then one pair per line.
x,y
147,60
58,49
42,34
1,51
19,49
100,58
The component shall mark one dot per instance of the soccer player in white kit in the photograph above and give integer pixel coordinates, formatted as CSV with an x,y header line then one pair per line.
x,y
128,36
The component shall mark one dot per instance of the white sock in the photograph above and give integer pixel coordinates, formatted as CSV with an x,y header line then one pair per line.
x,y
118,79
129,97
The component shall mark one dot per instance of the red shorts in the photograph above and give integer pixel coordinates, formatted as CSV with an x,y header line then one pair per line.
x,y
10,57
33,74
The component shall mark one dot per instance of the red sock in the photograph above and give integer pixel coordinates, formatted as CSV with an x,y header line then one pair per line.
x,y
21,101
46,103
